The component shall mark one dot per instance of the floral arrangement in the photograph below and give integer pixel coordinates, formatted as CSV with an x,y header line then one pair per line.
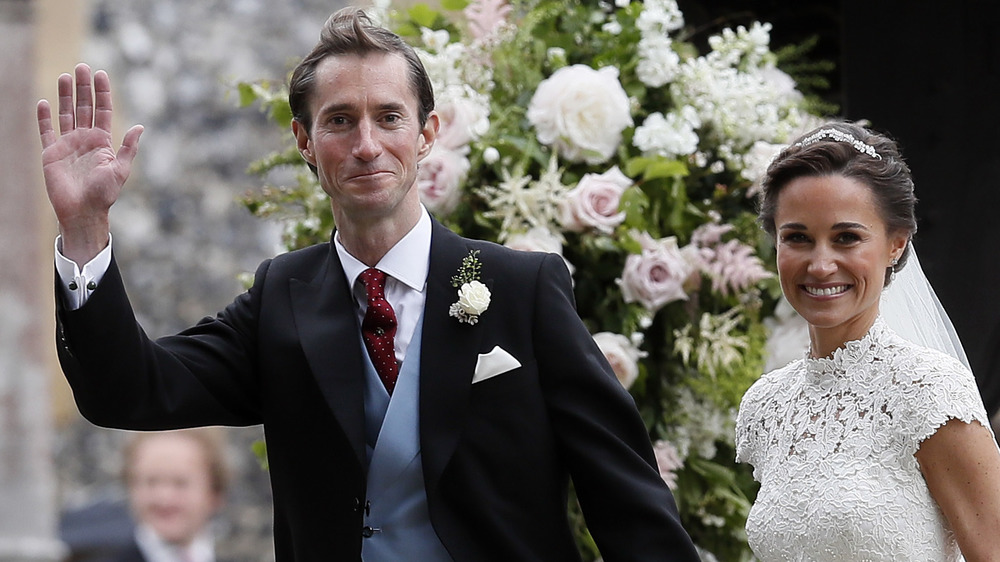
x,y
596,130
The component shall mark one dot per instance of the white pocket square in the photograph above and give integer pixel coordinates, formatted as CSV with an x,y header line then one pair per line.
x,y
494,363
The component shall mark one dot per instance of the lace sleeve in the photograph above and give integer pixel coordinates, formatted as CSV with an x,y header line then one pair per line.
x,y
937,388
745,437
752,421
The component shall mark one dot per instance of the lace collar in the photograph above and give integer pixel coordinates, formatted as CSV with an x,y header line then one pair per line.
x,y
853,353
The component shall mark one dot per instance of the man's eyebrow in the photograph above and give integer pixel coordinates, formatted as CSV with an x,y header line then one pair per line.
x,y
338,107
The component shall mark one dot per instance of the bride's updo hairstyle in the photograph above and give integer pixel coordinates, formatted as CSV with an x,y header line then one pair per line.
x,y
851,151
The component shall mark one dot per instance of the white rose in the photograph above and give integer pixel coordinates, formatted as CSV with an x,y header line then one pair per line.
x,y
474,298
539,239
622,355
657,276
581,112
440,178
594,202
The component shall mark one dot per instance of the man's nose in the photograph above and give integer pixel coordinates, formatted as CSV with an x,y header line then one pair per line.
x,y
367,146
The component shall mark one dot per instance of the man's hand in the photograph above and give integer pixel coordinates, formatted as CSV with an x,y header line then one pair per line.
x,y
83,173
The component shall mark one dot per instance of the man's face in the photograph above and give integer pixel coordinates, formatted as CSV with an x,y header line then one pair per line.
x,y
366,138
170,488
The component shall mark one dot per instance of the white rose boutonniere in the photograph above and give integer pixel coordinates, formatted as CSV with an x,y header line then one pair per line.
x,y
473,296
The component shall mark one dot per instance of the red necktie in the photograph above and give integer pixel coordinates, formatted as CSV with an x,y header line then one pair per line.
x,y
379,328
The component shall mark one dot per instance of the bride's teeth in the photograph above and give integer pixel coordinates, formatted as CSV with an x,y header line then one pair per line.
x,y
826,292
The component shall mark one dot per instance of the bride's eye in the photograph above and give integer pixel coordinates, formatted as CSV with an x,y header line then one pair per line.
x,y
848,238
794,238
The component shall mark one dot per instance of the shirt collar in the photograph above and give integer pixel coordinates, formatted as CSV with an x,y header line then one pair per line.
x,y
408,261
156,549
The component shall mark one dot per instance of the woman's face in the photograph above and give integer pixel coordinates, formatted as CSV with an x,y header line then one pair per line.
x,y
833,250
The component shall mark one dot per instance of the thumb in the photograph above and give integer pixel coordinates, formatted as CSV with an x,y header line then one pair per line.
x,y
126,153
130,145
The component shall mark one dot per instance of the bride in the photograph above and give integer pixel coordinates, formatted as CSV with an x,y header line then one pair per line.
x,y
871,447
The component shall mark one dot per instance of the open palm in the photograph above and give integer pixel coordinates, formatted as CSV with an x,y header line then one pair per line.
x,y
83,173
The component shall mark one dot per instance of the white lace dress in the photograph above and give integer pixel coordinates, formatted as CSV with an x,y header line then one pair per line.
x,y
831,442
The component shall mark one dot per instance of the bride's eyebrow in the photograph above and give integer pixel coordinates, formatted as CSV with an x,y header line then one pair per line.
x,y
850,226
793,226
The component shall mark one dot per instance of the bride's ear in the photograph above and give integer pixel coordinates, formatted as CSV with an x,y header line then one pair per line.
x,y
897,245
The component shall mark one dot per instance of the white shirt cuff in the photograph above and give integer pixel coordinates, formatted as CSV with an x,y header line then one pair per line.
x,y
78,285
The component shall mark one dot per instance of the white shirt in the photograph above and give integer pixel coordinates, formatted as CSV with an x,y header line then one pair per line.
x,y
155,549
407,264
79,284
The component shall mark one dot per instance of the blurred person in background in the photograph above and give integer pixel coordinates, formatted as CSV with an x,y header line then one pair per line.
x,y
177,482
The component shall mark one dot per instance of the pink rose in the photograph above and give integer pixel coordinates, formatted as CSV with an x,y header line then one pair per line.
x,y
668,460
622,354
594,202
463,119
440,178
657,276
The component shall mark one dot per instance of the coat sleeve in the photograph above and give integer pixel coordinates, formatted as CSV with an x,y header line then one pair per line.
x,y
628,507
123,379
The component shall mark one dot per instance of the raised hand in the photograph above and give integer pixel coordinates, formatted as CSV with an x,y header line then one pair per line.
x,y
83,173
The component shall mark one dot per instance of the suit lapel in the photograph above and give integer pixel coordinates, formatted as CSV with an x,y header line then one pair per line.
x,y
448,358
328,330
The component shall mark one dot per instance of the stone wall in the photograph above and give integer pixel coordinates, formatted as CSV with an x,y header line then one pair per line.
x,y
27,479
180,235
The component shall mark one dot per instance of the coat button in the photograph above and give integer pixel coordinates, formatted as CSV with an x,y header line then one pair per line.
x,y
367,532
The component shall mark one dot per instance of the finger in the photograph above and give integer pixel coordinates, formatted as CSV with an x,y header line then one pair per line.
x,y
44,112
102,99
67,117
84,97
129,148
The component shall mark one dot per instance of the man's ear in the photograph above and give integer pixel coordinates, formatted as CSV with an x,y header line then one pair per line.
x,y
303,141
428,135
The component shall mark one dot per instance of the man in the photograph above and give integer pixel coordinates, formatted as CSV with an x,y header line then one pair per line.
x,y
176,483
498,398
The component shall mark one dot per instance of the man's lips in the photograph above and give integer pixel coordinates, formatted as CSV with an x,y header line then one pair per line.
x,y
367,174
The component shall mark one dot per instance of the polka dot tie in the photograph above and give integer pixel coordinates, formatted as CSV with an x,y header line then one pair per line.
x,y
379,328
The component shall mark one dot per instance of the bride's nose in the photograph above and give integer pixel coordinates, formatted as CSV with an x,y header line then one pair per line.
x,y
822,263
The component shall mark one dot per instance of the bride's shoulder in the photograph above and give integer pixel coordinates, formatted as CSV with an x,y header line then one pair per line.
x,y
923,362
772,382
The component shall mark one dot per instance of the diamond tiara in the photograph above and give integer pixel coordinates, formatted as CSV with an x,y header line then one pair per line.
x,y
840,136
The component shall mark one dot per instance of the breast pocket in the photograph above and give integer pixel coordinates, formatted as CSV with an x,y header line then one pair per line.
x,y
521,380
